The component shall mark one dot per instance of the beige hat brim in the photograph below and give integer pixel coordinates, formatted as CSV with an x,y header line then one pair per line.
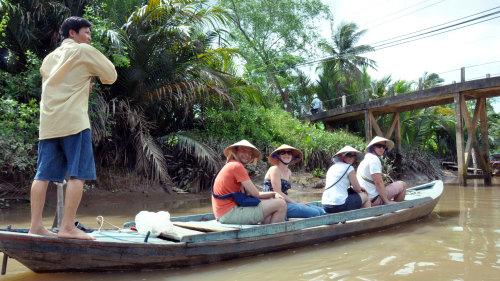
x,y
296,154
347,148
256,155
377,139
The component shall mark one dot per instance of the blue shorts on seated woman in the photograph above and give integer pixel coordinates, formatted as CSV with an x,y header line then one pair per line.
x,y
352,202
302,211
294,210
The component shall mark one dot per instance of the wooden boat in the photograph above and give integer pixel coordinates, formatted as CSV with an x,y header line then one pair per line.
x,y
198,239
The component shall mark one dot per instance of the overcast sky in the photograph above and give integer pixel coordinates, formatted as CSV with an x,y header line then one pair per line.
x,y
476,47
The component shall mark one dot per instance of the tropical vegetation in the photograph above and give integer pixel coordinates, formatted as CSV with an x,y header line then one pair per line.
x,y
197,75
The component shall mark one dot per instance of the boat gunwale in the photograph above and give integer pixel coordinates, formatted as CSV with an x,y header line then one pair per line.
x,y
268,229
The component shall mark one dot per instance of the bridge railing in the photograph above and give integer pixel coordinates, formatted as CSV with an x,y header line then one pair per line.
x,y
368,94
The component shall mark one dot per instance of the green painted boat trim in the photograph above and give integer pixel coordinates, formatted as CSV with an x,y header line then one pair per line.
x,y
261,230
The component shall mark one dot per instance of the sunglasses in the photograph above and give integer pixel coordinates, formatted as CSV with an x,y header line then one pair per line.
x,y
283,152
379,145
349,155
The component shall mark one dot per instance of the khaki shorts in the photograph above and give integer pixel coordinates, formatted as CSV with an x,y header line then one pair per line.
x,y
243,215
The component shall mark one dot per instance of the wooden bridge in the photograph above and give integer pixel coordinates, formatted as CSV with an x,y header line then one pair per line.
x,y
456,93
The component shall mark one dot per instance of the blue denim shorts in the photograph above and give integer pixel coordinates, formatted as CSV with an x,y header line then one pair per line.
x,y
71,154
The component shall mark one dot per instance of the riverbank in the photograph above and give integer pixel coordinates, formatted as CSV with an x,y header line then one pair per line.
x,y
121,189
302,184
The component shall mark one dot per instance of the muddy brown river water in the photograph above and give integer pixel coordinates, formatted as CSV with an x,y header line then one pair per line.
x,y
460,240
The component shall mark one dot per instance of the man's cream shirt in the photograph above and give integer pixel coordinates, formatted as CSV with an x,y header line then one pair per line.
x,y
66,75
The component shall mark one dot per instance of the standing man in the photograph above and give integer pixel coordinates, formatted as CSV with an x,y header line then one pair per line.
x,y
370,175
233,177
315,104
65,142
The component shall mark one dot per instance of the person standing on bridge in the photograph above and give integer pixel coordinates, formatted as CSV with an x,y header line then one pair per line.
x,y
316,104
369,174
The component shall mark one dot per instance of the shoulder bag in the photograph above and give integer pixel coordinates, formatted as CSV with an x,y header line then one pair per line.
x,y
240,198
339,178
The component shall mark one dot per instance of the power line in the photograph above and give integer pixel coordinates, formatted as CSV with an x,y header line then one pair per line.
x,y
404,40
435,25
431,35
469,66
405,15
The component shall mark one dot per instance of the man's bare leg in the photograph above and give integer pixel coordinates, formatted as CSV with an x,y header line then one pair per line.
x,y
38,193
68,229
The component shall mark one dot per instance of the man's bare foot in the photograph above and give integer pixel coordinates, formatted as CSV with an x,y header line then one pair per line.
x,y
41,231
74,233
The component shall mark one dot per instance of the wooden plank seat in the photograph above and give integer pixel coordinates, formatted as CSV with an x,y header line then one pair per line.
x,y
178,233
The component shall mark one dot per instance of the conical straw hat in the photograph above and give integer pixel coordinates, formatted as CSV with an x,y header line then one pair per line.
x,y
296,155
377,139
256,155
345,149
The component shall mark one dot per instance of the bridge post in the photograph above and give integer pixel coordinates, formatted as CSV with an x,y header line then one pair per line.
x,y
485,150
459,128
368,126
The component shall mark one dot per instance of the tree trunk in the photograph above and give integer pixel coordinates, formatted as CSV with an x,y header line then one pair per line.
x,y
283,94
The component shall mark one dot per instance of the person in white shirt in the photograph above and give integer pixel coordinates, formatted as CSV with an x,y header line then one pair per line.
x,y
369,174
338,197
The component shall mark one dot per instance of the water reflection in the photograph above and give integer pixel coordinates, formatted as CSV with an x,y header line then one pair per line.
x,y
459,241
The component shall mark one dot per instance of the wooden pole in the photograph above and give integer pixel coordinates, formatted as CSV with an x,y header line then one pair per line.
x,y
4,263
397,133
459,127
485,153
368,127
374,125
60,203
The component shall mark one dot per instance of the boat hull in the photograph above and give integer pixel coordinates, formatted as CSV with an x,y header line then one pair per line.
x,y
47,254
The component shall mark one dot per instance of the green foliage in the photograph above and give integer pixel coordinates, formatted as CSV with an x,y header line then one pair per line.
x,y
273,127
26,85
33,25
320,173
105,35
4,19
272,36
493,127
18,136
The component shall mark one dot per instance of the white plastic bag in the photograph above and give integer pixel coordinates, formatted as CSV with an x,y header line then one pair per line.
x,y
155,222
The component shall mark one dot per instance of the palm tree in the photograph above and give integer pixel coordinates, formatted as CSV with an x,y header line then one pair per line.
x,y
431,80
33,25
346,55
172,73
